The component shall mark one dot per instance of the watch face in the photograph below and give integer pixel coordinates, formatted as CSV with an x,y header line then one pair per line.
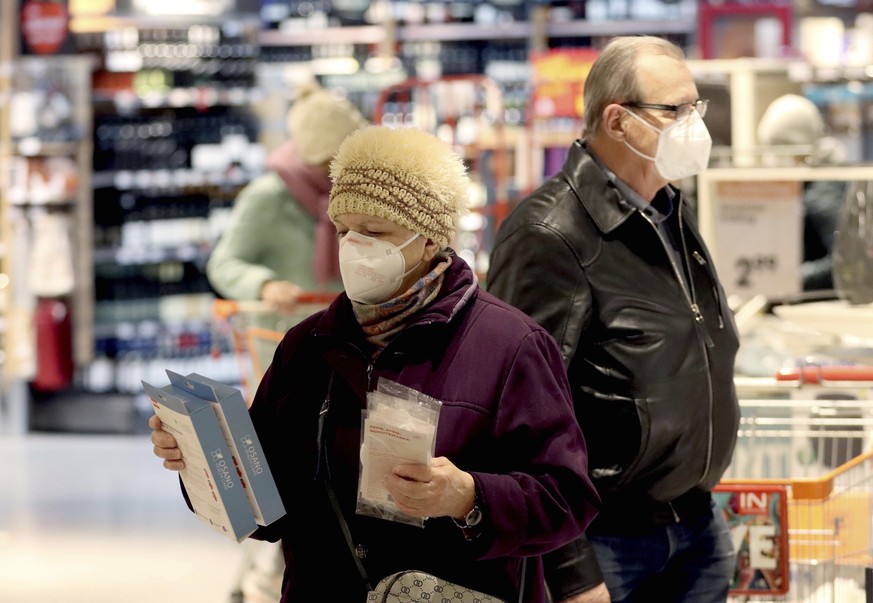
x,y
473,517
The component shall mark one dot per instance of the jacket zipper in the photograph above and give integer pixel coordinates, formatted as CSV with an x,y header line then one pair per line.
x,y
687,288
702,261
691,297
707,342
676,517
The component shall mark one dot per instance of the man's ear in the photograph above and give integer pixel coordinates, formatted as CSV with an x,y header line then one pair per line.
x,y
614,121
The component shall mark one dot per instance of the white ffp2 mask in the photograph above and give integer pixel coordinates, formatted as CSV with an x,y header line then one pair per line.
x,y
683,147
371,269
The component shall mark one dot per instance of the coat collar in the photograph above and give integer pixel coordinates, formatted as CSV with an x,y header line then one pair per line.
x,y
595,189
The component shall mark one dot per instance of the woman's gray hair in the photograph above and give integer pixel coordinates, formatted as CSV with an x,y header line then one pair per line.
x,y
613,76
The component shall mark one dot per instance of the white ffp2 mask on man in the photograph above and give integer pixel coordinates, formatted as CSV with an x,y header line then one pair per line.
x,y
683,147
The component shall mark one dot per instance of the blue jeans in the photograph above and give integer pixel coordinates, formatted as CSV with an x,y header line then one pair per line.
x,y
689,562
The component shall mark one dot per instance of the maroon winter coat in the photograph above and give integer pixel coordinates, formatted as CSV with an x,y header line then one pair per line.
x,y
506,418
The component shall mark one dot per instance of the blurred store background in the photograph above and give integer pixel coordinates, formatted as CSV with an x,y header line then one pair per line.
x,y
128,126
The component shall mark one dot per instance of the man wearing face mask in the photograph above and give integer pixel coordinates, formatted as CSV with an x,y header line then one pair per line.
x,y
607,256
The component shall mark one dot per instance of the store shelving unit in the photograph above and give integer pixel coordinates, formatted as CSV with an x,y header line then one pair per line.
x,y
124,194
433,50
750,85
45,157
133,329
175,139
13,417
537,31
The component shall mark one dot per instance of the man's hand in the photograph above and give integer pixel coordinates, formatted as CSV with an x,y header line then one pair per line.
x,y
598,594
165,446
435,491
281,296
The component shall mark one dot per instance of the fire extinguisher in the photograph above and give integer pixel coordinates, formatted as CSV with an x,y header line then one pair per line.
x,y
52,282
54,345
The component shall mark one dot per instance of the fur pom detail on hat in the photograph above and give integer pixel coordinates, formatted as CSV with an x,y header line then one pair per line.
x,y
318,122
405,175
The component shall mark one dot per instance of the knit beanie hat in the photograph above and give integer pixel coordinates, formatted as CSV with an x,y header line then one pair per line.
x,y
404,175
319,121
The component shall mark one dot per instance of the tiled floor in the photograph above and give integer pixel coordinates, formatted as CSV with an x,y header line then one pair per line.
x,y
97,519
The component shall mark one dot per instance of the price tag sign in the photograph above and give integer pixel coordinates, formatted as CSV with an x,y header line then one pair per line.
x,y
759,237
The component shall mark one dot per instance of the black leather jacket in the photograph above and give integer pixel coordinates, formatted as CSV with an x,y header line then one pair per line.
x,y
650,357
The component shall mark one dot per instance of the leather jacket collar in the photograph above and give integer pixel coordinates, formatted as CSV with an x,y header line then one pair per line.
x,y
598,194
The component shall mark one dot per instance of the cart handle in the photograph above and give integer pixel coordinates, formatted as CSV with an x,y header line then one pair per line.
x,y
838,376
807,488
225,308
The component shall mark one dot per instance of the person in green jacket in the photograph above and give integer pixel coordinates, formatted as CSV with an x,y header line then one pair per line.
x,y
278,242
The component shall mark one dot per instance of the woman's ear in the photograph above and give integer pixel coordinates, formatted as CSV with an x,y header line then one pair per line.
x,y
431,249
614,121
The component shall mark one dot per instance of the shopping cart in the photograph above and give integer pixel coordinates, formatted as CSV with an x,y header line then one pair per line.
x,y
798,495
254,330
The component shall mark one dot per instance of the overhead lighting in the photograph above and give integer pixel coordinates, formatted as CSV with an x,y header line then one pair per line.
x,y
334,66
182,7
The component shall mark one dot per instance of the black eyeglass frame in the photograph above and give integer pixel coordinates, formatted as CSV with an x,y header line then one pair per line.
x,y
700,104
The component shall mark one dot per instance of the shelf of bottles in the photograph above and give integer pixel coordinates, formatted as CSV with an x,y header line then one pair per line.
x,y
175,139
314,22
365,47
46,278
175,136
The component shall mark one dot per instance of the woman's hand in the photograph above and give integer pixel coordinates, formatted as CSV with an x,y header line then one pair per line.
x,y
165,446
438,490
281,296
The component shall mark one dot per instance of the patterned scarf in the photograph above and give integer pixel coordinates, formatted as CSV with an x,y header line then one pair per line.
x,y
382,322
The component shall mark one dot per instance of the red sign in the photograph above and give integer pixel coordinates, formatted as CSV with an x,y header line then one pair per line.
x,y
559,79
44,26
757,517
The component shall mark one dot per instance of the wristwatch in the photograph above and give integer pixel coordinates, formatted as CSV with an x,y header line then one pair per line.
x,y
472,519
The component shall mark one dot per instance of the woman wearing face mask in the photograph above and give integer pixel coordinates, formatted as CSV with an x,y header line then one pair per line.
x,y
509,474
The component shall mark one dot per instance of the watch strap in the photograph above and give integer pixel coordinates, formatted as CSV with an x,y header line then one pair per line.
x,y
472,524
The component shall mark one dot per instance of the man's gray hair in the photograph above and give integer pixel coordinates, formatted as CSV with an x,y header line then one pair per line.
x,y
613,76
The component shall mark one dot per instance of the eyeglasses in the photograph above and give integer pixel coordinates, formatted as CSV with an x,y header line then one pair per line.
x,y
680,112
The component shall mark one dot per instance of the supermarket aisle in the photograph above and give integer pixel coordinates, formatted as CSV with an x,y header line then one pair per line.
x,y
96,519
